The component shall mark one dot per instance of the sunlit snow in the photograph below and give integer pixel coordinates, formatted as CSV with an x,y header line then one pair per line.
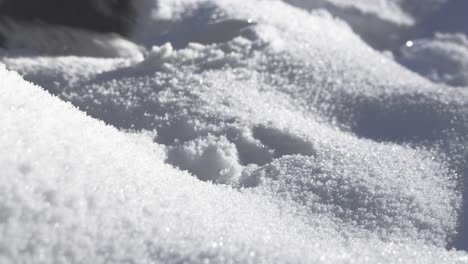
x,y
286,138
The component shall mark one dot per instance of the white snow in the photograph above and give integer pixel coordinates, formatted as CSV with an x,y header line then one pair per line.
x,y
284,139
389,10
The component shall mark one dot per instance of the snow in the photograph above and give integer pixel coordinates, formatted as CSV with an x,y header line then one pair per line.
x,y
383,9
285,139
442,59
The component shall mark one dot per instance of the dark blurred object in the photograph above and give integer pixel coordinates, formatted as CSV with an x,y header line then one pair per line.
x,y
102,16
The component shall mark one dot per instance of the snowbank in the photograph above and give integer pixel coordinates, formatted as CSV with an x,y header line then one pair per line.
x,y
299,144
75,190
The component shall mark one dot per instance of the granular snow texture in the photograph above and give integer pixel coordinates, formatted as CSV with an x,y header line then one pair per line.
x,y
285,138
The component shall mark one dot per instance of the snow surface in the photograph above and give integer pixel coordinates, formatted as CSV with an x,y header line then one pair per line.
x,y
442,59
382,23
284,139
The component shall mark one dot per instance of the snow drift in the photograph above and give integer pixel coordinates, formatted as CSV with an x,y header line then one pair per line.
x,y
284,139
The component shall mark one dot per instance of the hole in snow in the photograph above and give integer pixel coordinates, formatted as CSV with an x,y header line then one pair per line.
x,y
282,142
251,150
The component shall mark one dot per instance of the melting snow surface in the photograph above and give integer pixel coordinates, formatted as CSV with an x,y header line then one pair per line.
x,y
284,139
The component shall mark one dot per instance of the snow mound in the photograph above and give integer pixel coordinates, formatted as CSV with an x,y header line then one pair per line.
x,y
75,190
381,23
298,144
387,24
